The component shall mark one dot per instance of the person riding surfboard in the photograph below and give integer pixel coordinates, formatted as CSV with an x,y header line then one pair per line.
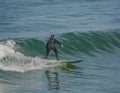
x,y
51,46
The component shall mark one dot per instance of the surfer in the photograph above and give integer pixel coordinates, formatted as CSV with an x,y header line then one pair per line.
x,y
51,46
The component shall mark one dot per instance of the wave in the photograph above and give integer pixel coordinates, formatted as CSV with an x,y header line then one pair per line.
x,y
27,54
13,60
88,43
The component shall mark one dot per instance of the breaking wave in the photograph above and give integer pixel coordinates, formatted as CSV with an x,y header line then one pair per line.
x,y
27,54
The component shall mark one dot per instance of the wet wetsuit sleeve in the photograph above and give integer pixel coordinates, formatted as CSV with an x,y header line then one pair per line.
x,y
56,41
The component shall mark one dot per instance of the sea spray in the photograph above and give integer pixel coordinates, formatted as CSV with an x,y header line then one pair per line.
x,y
12,60
6,48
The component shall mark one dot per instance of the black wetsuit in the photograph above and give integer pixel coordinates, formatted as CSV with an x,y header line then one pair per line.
x,y
51,46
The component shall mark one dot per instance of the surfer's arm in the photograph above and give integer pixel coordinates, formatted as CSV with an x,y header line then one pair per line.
x,y
59,43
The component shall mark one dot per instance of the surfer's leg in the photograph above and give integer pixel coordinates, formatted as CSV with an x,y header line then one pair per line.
x,y
56,53
47,53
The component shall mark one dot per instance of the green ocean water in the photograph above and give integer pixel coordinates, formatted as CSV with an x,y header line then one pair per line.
x,y
23,68
88,43
89,30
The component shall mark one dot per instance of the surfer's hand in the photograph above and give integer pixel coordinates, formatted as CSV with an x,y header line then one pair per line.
x,y
62,45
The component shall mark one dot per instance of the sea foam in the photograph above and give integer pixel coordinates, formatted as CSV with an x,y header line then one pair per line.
x,y
12,60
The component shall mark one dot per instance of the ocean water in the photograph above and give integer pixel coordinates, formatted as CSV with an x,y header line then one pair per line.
x,y
89,30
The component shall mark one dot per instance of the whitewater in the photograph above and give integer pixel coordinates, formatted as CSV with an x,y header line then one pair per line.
x,y
12,60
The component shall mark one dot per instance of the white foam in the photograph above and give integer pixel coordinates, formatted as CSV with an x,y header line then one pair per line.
x,y
12,60
21,63
6,48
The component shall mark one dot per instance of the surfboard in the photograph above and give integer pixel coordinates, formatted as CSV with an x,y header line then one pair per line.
x,y
53,62
70,61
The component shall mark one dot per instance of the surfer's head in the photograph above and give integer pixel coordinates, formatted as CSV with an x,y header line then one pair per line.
x,y
52,36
